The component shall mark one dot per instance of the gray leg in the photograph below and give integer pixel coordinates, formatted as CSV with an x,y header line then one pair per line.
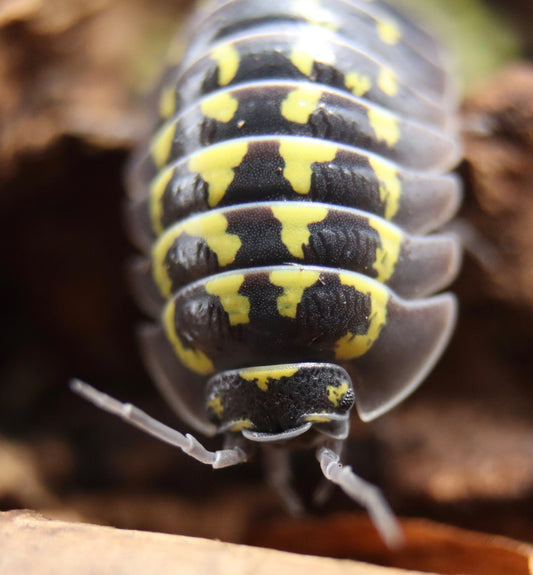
x,y
322,492
278,471
325,487
364,493
475,243
136,417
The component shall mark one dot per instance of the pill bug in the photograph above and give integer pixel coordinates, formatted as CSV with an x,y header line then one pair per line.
x,y
283,208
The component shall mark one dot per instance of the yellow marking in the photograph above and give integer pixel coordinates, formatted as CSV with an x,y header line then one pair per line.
x,y
351,345
228,61
388,82
385,126
226,288
159,269
162,144
216,405
358,84
293,282
294,224
157,189
220,107
310,50
336,393
300,104
215,164
299,156
167,102
241,424
390,187
211,227
302,59
261,380
387,255
389,32
194,359
318,418
313,11
261,375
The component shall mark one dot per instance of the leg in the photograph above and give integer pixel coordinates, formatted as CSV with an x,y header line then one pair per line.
x,y
364,493
136,417
474,243
279,475
325,487
322,492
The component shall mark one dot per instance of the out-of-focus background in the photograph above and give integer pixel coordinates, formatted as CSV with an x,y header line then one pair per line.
x,y
73,78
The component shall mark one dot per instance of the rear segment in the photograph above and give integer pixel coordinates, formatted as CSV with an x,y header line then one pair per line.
x,y
292,314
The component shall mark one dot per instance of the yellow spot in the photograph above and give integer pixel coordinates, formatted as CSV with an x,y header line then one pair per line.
x,y
389,32
262,375
159,269
302,59
299,155
313,11
385,126
220,107
351,345
318,418
215,164
300,104
241,424
390,187
293,282
261,380
388,82
211,227
358,84
194,359
162,144
309,50
216,405
335,394
167,102
294,224
228,61
388,253
157,189
226,288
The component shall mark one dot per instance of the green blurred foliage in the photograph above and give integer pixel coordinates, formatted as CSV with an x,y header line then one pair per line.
x,y
480,38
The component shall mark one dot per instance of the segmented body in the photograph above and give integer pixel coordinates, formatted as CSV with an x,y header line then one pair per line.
x,y
282,206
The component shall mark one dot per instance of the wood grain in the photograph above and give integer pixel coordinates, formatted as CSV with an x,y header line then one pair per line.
x,y
33,545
